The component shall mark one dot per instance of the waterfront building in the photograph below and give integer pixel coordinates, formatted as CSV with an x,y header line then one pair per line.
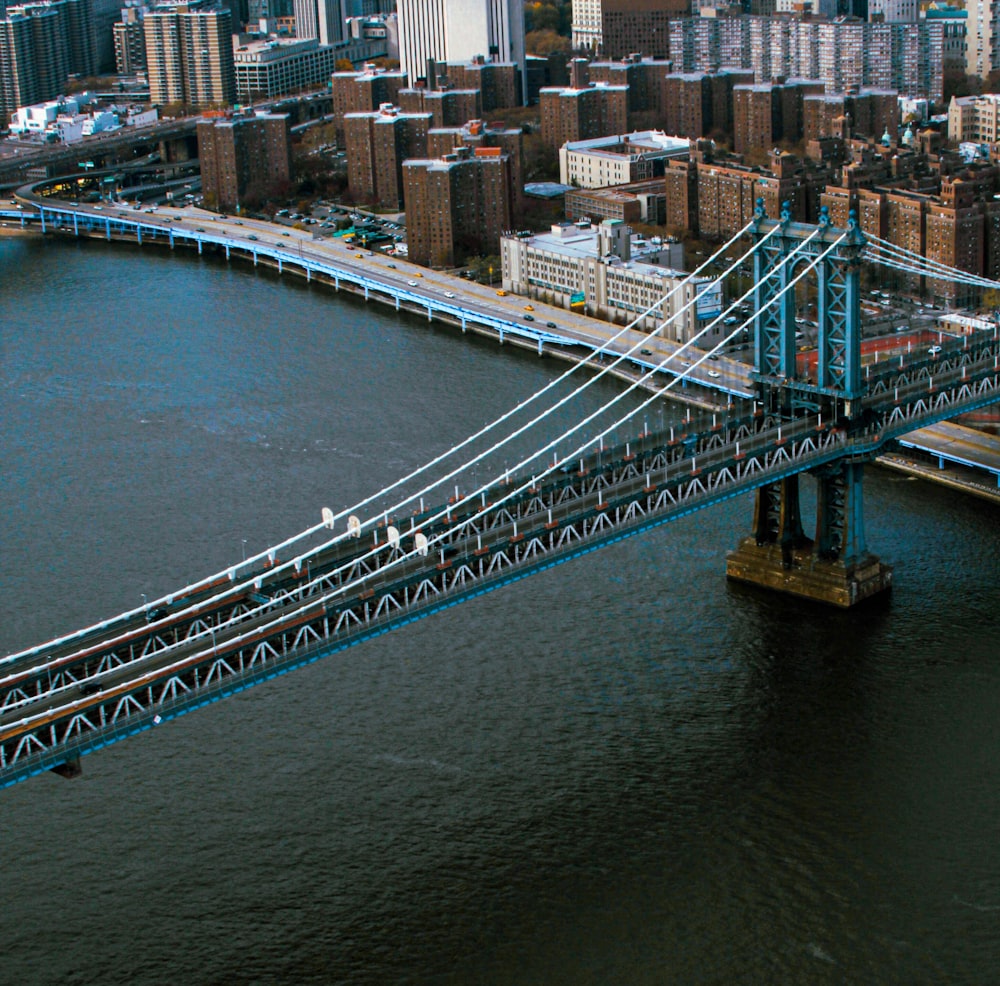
x,y
607,272
457,205
243,158
189,54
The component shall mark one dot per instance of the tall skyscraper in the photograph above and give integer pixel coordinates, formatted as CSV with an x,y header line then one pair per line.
x,y
322,19
189,54
459,31
41,44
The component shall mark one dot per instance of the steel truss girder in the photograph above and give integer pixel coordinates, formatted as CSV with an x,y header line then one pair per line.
x,y
632,499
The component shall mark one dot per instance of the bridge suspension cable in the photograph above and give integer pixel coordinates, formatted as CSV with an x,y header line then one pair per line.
x,y
403,556
558,460
899,258
270,552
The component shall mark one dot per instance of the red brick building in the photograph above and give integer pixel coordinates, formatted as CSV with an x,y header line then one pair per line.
x,y
457,205
243,158
377,145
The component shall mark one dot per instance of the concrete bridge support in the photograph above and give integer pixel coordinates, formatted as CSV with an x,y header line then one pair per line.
x,y
835,567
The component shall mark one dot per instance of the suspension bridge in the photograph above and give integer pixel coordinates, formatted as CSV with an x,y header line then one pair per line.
x,y
448,536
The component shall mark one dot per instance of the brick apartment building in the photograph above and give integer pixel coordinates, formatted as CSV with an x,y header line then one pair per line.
x,y
447,107
243,158
362,92
583,110
377,145
457,205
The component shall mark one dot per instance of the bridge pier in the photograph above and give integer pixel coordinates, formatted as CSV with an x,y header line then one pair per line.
x,y
835,567
69,769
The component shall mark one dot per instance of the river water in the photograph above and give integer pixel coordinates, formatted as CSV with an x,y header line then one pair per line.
x,y
624,770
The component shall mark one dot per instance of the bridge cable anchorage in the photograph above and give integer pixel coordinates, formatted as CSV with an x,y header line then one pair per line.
x,y
582,424
256,559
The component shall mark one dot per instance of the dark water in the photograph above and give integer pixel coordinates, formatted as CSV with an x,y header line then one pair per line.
x,y
625,770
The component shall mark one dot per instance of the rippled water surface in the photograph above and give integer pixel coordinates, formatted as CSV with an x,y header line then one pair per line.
x,y
624,770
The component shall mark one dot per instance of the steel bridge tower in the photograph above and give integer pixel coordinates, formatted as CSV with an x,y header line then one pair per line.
x,y
835,565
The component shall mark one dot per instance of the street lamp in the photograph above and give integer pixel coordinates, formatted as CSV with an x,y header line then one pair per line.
x,y
244,549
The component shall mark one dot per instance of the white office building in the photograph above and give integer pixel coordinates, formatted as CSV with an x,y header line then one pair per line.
x,y
458,31
609,273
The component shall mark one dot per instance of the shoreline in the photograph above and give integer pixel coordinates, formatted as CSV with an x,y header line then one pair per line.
x,y
961,479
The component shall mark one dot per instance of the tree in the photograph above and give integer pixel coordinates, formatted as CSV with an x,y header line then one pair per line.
x,y
545,43
343,65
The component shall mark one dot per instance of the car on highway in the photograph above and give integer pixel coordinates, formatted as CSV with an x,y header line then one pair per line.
x,y
251,237
286,234
645,352
449,294
529,308
551,325
529,318
714,374
412,284
501,293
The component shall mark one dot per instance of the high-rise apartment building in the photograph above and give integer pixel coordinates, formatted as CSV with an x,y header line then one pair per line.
x,y
441,141
459,31
41,44
447,107
629,26
377,144
499,83
243,158
363,92
843,53
645,80
582,110
982,38
458,205
189,54
130,42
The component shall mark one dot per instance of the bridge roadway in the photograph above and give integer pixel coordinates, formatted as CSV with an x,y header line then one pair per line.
x,y
85,691
471,306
